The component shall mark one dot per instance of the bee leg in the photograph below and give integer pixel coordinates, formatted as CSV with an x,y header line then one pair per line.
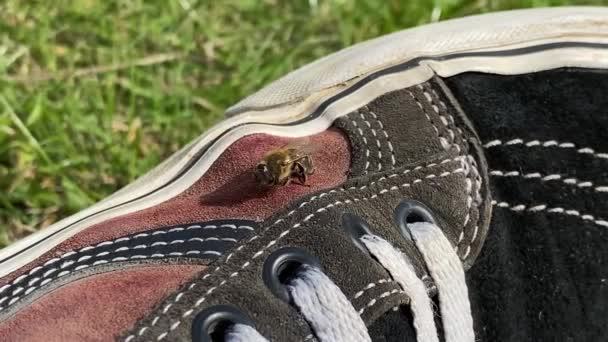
x,y
300,173
307,165
311,169
285,182
302,178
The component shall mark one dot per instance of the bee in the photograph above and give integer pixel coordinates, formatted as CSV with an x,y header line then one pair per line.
x,y
280,166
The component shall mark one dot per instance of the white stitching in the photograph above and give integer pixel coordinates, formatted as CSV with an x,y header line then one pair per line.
x,y
273,242
363,187
451,120
107,243
312,199
98,262
442,118
360,131
330,192
551,210
548,143
388,140
120,249
442,141
378,146
478,199
551,177
381,296
369,287
471,167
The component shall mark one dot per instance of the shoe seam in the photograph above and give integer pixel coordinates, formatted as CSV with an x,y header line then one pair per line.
x,y
472,166
70,256
219,284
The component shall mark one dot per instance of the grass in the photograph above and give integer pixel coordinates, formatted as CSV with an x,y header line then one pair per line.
x,y
95,93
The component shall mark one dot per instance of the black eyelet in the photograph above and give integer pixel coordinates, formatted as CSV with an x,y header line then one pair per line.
x,y
411,211
282,265
356,227
211,324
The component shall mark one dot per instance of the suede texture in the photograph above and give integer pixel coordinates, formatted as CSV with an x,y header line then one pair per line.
x,y
227,191
202,242
322,236
543,272
447,176
423,121
95,308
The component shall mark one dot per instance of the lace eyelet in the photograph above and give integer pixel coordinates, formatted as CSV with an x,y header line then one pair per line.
x,y
356,227
212,323
411,211
281,266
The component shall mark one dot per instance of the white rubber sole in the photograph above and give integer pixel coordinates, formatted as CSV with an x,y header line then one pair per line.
x,y
308,100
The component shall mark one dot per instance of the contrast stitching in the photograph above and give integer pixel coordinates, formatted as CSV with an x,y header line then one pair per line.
x,y
479,199
472,167
280,236
342,190
550,177
383,295
309,337
124,249
469,190
45,281
367,152
388,140
442,141
371,286
442,118
444,108
122,239
378,146
548,143
555,210
439,109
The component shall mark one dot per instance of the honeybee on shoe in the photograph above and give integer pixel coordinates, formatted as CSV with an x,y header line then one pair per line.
x,y
279,167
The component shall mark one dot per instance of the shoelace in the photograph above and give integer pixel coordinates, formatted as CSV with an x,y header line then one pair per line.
x,y
334,319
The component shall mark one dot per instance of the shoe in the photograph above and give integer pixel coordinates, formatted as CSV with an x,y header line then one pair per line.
x,y
446,182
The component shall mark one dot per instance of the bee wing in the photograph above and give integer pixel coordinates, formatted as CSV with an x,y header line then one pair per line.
x,y
301,147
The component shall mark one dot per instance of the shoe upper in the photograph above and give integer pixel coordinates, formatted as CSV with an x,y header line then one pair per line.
x,y
504,171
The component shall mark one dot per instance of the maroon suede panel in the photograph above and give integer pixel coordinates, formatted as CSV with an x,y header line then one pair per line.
x,y
227,190
96,308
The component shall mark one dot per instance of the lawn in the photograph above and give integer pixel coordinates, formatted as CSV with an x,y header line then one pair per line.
x,y
95,93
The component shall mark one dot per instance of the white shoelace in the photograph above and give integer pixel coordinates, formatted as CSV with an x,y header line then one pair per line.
x,y
244,333
446,270
403,272
334,319
322,303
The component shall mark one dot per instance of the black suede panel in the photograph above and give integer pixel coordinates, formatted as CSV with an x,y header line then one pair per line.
x,y
374,302
543,272
393,326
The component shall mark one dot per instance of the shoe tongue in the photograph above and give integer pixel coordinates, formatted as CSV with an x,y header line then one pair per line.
x,y
392,326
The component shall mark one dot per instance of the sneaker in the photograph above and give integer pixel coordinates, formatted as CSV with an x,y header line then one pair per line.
x,y
440,183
